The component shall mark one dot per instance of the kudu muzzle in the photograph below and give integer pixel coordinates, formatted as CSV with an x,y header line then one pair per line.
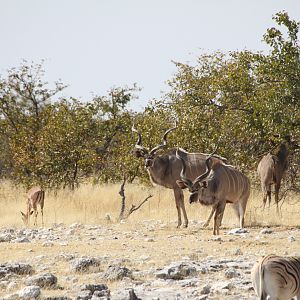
x,y
149,161
193,197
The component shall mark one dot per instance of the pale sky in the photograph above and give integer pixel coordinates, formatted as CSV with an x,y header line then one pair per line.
x,y
93,45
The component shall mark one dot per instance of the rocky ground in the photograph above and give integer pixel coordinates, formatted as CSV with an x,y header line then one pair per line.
x,y
145,260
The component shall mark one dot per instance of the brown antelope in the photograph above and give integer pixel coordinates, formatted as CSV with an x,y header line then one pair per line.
x,y
277,277
164,169
218,185
272,168
35,197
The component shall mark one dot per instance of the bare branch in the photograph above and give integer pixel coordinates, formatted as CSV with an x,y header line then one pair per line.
x,y
123,199
123,202
134,208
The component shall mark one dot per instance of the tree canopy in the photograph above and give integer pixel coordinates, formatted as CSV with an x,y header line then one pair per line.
x,y
243,101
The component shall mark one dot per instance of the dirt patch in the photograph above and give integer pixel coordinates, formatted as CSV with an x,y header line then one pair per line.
x,y
160,260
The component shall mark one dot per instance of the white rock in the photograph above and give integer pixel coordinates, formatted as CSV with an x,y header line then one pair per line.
x,y
30,293
65,243
238,231
238,251
11,297
21,240
291,239
231,273
76,226
11,286
216,239
144,257
222,285
70,231
266,231
186,258
149,240
48,244
5,237
205,289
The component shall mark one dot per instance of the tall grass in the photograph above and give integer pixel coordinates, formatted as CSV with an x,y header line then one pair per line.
x,y
92,204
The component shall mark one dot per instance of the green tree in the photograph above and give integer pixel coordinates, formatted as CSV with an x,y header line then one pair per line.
x,y
23,98
242,101
115,160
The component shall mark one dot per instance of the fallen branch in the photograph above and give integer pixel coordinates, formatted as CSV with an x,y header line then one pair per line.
x,y
123,202
134,208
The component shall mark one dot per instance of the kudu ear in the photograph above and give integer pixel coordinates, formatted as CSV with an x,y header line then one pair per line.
x,y
181,184
138,153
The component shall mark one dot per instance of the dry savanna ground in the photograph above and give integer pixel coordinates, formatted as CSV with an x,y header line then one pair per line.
x,y
84,224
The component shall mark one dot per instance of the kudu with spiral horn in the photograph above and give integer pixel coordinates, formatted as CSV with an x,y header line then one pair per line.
x,y
217,185
164,169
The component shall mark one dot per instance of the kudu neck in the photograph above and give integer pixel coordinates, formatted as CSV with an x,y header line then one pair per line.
x,y
282,152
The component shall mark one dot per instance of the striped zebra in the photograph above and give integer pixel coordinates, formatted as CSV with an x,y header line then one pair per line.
x,y
218,185
277,277
35,197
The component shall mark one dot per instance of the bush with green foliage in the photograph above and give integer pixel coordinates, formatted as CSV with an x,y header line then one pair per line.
x,y
242,101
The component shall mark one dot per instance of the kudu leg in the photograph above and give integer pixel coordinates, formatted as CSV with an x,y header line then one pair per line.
x,y
265,199
269,196
42,213
179,199
240,212
209,217
241,216
218,217
35,218
277,187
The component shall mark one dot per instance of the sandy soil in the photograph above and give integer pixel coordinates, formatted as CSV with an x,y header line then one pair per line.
x,y
146,248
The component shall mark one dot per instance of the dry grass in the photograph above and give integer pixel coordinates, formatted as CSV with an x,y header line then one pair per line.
x,y
90,205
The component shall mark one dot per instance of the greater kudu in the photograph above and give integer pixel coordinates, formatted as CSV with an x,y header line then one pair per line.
x,y
272,168
218,185
164,169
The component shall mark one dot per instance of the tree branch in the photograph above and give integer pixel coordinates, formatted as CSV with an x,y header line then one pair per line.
x,y
123,199
134,208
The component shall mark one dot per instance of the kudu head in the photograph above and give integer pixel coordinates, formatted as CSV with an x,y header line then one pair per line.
x,y
149,155
286,141
293,144
199,184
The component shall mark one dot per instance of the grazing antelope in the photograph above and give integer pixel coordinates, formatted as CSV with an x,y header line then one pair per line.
x,y
277,277
218,185
35,197
164,169
272,168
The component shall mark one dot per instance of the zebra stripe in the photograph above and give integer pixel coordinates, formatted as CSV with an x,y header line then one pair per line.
x,y
277,277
